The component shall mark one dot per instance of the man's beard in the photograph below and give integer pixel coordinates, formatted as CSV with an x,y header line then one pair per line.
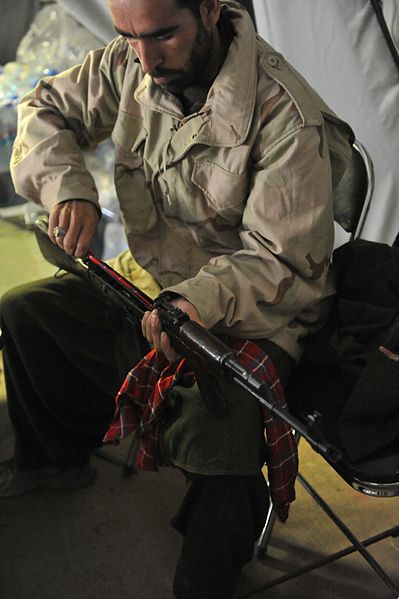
x,y
193,73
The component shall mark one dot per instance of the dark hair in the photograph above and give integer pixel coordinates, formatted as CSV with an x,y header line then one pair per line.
x,y
193,5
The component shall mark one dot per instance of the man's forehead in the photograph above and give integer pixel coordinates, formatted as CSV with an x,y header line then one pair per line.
x,y
144,17
145,6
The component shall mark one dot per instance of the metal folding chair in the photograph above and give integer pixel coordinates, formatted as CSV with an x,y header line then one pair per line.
x,y
376,476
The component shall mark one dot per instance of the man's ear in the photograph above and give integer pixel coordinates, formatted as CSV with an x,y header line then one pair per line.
x,y
210,12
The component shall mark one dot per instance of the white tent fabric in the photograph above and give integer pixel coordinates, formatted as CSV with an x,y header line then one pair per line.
x,y
391,14
92,14
340,49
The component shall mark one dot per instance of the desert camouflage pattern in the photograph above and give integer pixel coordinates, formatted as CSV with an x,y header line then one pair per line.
x,y
231,206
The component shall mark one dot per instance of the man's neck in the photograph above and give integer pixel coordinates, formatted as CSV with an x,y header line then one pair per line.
x,y
222,38
192,99
218,55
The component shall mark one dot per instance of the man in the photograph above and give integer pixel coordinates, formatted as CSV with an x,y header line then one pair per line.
x,y
225,163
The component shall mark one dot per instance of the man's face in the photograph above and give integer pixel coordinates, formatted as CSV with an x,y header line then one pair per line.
x,y
174,47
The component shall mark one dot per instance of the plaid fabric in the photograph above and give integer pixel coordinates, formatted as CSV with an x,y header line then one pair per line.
x,y
140,405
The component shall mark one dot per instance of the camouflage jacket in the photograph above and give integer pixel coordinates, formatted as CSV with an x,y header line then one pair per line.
x,y
230,206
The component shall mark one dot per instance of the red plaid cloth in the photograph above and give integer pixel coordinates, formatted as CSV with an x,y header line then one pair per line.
x,y
140,404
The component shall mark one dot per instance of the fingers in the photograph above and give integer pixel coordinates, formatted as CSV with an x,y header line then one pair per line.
x,y
78,237
72,225
152,330
61,229
53,221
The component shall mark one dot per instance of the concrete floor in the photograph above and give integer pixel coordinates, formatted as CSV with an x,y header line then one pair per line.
x,y
113,539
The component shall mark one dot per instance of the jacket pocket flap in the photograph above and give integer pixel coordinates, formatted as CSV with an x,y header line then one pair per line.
x,y
222,189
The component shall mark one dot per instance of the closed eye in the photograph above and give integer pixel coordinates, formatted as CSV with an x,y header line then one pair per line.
x,y
165,36
160,34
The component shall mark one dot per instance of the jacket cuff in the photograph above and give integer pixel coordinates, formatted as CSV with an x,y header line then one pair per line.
x,y
210,299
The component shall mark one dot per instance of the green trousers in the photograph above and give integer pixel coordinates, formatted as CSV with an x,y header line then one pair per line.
x,y
66,352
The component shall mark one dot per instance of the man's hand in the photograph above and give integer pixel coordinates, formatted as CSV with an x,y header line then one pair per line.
x,y
78,222
152,328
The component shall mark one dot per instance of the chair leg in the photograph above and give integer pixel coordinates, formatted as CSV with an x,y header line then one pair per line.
x,y
263,541
392,532
129,466
358,545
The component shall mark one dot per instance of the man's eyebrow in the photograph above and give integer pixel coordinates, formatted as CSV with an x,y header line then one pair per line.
x,y
157,33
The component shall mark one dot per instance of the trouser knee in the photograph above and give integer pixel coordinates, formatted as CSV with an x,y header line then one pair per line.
x,y
20,303
8,306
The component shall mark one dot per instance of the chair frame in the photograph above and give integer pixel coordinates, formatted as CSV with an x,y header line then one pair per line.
x,y
375,488
368,164
369,488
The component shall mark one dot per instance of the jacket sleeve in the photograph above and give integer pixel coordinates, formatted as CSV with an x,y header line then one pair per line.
x,y
62,116
287,232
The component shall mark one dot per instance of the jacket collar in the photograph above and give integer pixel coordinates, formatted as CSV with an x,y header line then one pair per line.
x,y
228,111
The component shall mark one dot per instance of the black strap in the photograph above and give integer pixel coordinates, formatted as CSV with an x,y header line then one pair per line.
x,y
376,4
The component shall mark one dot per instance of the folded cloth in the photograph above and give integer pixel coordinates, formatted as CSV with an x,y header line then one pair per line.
x,y
140,404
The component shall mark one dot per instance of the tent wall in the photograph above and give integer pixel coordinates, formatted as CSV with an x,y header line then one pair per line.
x,y
339,47
92,14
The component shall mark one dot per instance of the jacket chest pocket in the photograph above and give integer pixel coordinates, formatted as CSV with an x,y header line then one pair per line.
x,y
224,192
204,192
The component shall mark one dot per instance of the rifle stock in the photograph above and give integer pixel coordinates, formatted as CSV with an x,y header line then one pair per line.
x,y
210,357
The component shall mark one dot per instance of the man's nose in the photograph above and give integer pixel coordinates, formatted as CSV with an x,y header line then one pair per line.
x,y
149,55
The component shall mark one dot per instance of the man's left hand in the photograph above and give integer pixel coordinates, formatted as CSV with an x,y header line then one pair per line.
x,y
152,328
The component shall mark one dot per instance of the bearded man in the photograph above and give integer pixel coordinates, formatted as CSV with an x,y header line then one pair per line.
x,y
225,160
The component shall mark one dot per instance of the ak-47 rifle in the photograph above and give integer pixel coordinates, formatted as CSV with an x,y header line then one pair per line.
x,y
210,357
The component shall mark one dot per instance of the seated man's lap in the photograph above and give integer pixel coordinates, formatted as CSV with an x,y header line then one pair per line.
x,y
200,441
102,346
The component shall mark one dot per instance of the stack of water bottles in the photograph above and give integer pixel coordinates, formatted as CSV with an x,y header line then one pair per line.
x,y
54,42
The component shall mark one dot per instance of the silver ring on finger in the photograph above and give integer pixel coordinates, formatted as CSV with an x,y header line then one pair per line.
x,y
59,232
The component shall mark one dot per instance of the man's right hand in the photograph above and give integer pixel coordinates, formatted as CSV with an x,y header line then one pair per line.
x,y
78,221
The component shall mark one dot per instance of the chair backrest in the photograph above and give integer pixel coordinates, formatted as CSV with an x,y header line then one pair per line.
x,y
352,196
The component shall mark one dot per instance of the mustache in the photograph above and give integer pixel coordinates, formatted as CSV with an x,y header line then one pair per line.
x,y
160,72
